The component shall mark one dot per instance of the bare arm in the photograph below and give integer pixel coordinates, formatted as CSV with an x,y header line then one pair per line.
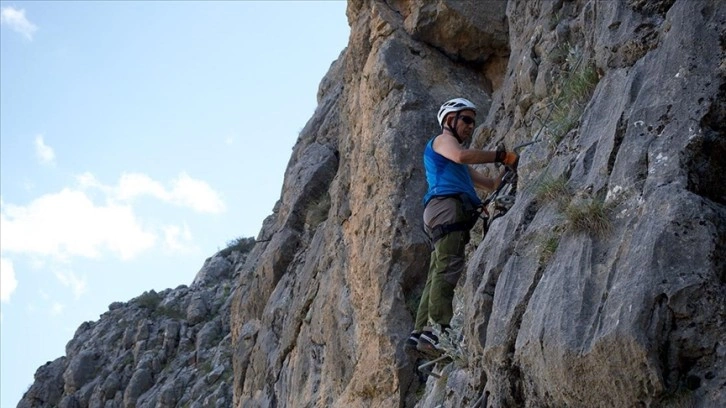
x,y
447,146
484,182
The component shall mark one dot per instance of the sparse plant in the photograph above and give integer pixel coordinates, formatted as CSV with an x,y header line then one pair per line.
x,y
555,19
450,341
591,216
558,55
552,189
169,312
239,244
563,119
227,375
581,83
476,236
206,367
549,244
574,91
149,300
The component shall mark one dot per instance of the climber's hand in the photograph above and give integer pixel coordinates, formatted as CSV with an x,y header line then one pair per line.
x,y
510,159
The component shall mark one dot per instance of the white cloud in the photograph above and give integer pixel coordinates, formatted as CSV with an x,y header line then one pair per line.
x,y
196,194
56,309
45,153
184,191
88,180
78,285
135,185
15,20
80,222
69,224
8,283
178,239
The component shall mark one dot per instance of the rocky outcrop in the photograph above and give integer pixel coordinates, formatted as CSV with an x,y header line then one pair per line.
x,y
604,285
606,268
166,349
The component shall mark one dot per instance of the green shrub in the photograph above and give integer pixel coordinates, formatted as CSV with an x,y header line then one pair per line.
x,y
451,344
170,312
239,244
574,90
590,216
549,245
552,189
564,119
149,300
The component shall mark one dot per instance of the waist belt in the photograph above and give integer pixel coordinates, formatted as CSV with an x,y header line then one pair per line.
x,y
440,231
470,211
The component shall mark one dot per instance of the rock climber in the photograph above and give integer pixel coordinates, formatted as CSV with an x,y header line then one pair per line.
x,y
451,208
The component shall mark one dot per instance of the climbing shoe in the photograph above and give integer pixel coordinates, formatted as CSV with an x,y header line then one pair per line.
x,y
412,341
428,344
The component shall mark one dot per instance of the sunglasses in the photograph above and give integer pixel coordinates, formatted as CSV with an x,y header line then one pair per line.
x,y
467,119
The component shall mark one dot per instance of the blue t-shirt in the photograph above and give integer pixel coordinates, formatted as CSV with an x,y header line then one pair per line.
x,y
446,177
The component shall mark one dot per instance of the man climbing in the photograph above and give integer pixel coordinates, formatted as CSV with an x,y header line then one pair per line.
x,y
451,208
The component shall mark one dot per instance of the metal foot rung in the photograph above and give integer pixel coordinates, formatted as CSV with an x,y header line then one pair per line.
x,y
424,367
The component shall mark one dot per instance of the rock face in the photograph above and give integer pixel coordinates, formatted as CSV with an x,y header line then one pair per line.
x,y
604,285
608,290
167,349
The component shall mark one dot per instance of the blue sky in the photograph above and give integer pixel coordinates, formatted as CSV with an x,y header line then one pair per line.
x,y
137,139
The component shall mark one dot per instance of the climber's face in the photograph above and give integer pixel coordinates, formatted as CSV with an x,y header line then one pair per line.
x,y
465,124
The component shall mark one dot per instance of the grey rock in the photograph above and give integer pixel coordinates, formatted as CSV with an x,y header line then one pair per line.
x,y
47,389
110,386
208,336
198,309
140,382
214,270
144,356
69,401
81,369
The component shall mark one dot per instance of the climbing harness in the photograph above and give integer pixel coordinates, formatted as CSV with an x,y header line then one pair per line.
x,y
472,213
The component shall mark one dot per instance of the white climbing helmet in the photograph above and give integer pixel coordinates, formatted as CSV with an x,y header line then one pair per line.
x,y
454,105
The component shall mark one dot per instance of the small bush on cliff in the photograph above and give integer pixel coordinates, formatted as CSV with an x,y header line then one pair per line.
x,y
149,300
451,344
549,244
170,312
590,216
553,190
580,82
238,244
575,89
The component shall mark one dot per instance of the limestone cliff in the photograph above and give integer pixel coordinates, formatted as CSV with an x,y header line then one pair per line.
x,y
604,285
166,349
